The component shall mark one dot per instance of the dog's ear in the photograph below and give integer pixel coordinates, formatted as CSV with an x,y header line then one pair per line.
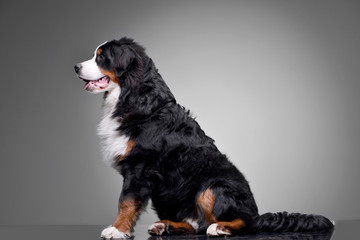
x,y
127,65
123,59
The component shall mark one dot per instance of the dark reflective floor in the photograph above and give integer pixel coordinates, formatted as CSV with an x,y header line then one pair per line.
x,y
262,236
343,230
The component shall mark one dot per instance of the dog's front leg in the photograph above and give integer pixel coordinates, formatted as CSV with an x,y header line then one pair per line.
x,y
128,211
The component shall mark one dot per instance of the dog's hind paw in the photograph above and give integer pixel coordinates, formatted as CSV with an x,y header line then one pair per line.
x,y
156,229
213,230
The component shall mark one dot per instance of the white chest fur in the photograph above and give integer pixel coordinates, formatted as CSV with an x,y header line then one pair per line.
x,y
113,143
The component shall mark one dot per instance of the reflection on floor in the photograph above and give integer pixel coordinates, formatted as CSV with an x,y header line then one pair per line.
x,y
325,235
344,230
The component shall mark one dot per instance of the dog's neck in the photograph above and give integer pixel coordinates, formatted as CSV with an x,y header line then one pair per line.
x,y
111,98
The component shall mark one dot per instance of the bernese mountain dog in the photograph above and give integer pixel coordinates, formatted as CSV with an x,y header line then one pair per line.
x,y
164,155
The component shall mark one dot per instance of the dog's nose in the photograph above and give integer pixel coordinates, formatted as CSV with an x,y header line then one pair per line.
x,y
77,68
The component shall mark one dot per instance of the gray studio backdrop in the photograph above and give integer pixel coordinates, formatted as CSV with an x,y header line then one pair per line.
x,y
275,83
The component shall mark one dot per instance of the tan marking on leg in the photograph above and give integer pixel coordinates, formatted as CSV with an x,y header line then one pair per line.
x,y
128,211
178,224
205,203
178,228
129,146
235,225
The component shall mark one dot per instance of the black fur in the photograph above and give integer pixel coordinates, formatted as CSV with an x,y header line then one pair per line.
x,y
173,160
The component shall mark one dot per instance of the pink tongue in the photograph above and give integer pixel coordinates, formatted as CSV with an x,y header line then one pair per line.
x,y
86,85
102,82
97,83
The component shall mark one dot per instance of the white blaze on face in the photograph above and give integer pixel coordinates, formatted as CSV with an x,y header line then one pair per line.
x,y
90,70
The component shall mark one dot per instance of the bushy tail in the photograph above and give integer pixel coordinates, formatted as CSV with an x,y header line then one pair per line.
x,y
293,222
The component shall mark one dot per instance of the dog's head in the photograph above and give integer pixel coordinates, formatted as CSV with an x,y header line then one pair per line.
x,y
112,61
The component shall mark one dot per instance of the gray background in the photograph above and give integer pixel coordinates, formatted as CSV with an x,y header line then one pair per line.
x,y
275,83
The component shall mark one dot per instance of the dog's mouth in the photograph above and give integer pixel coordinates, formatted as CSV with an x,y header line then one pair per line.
x,y
100,83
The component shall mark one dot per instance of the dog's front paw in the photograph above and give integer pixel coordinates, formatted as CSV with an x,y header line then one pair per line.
x,y
112,233
156,229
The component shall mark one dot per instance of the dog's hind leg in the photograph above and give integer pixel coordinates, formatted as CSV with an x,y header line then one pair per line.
x,y
166,227
225,228
221,212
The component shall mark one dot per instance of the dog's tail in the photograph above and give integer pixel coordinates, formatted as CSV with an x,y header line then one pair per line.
x,y
293,222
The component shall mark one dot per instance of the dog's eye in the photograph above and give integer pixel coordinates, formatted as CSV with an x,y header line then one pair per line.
x,y
100,57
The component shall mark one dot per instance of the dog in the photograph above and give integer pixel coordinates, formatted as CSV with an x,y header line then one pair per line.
x,y
164,155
